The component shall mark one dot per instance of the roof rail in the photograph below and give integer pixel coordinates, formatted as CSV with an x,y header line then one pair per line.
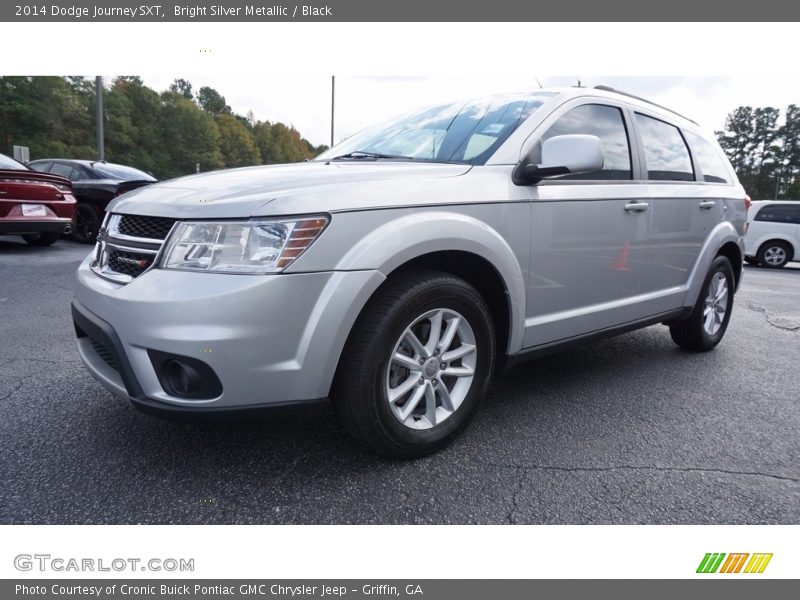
x,y
607,88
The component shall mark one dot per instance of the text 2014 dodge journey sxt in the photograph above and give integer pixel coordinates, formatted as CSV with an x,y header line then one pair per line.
x,y
397,271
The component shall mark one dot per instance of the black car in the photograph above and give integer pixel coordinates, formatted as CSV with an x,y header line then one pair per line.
x,y
95,184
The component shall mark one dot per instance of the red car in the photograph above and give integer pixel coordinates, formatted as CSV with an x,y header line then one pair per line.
x,y
37,206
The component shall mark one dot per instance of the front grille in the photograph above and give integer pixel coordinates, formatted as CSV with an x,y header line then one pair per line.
x,y
154,228
104,353
132,264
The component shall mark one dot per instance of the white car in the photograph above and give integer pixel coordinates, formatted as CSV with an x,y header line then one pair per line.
x,y
773,233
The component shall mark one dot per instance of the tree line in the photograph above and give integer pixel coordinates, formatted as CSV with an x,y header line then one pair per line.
x,y
166,134
764,151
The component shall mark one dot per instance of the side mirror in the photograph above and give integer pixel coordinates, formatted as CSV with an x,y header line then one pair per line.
x,y
567,154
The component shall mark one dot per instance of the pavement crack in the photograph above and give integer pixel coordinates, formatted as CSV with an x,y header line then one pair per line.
x,y
510,519
526,468
784,323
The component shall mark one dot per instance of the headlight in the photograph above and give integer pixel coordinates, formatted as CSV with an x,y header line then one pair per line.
x,y
266,246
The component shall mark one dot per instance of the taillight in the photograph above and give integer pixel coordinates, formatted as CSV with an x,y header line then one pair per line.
x,y
747,202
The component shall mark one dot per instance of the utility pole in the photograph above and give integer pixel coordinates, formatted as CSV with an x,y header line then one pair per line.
x,y
98,87
333,102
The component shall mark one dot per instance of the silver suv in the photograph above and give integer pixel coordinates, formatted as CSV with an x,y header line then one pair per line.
x,y
397,271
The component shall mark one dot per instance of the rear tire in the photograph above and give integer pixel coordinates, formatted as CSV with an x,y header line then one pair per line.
x,y
426,332
774,255
41,239
706,326
87,224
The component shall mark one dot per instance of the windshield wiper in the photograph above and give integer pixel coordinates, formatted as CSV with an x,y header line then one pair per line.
x,y
364,154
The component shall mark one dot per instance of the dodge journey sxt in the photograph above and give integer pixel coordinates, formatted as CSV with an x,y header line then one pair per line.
x,y
394,273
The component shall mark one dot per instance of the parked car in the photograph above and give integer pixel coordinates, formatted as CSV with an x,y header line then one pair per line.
x,y
37,206
95,184
773,233
398,270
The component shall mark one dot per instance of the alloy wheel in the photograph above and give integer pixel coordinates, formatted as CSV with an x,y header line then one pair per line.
x,y
716,304
431,368
775,255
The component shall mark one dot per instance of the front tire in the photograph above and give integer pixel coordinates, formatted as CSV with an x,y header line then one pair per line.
x,y
706,326
416,365
774,255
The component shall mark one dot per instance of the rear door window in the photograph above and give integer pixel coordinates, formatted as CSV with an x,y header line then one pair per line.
x,y
65,170
41,167
666,156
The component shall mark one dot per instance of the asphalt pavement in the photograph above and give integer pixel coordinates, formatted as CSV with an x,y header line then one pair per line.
x,y
626,430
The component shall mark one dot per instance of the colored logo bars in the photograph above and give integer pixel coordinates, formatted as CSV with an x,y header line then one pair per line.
x,y
713,563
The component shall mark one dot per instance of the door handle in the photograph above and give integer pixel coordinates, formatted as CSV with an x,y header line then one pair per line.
x,y
707,204
637,206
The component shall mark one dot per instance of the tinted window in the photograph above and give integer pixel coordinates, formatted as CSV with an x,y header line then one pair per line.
x,y
44,167
606,123
779,213
122,172
9,163
708,159
665,152
67,171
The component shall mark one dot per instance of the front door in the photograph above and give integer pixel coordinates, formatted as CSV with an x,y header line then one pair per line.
x,y
589,236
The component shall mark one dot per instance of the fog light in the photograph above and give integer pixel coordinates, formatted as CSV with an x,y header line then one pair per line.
x,y
185,377
182,378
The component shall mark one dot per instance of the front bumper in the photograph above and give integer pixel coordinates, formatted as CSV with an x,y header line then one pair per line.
x,y
272,340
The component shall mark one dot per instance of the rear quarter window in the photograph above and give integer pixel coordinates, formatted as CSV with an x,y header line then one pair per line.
x,y
708,159
779,213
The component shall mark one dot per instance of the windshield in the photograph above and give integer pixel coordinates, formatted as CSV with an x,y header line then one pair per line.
x,y
113,171
9,163
461,132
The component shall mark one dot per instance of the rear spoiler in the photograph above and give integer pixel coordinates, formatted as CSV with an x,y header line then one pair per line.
x,y
62,183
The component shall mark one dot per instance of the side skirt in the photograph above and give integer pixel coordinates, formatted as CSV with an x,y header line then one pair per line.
x,y
535,352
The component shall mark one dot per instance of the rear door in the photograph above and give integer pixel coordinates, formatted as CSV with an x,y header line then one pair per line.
x,y
684,210
589,232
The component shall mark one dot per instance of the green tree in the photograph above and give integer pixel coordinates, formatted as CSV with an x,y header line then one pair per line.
x,y
166,134
236,143
789,173
182,88
765,149
211,101
132,111
50,115
190,136
737,138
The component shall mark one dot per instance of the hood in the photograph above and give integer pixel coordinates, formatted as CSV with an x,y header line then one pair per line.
x,y
245,192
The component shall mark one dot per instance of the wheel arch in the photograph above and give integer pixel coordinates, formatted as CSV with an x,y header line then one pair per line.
x,y
733,253
457,244
722,240
481,274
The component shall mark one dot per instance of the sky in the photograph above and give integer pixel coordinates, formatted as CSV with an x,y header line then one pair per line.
x,y
305,102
